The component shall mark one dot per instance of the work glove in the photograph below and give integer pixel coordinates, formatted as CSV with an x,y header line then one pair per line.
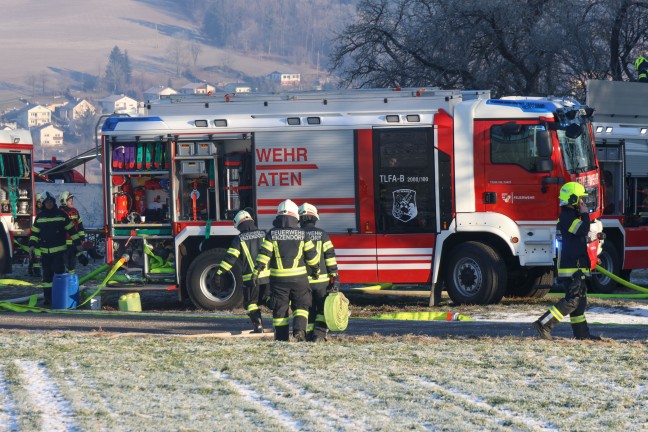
x,y
334,285
315,273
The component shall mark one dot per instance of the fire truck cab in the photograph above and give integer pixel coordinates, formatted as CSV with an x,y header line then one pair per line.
x,y
430,187
621,132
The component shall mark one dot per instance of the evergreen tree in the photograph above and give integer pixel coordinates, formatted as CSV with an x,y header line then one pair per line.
x,y
118,71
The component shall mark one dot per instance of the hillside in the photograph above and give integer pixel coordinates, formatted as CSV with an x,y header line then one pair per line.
x,y
56,45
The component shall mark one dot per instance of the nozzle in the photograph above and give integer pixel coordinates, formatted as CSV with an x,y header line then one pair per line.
x,y
125,257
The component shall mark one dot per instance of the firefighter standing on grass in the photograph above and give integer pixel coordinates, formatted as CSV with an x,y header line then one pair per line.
x,y
286,250
308,217
49,233
573,265
245,248
66,201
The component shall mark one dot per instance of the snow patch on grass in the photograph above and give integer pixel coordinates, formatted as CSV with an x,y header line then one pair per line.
x,y
8,417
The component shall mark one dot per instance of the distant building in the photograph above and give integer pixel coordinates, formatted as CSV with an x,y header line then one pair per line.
x,y
34,116
154,93
48,136
286,79
197,88
238,88
118,104
75,110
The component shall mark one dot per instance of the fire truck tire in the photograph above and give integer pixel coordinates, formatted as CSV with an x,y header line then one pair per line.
x,y
609,261
476,274
535,283
201,288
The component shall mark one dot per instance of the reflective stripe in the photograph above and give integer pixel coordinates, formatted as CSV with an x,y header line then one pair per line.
x,y
299,253
280,322
327,245
577,319
330,262
68,242
300,313
252,307
69,226
233,251
310,327
226,266
275,247
320,318
54,249
33,238
321,278
248,256
288,272
568,272
35,229
54,219
556,313
575,225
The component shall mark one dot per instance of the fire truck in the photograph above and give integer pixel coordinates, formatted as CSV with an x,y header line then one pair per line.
x,y
621,133
16,194
441,188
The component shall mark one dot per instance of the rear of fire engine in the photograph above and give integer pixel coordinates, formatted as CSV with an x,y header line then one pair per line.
x,y
416,186
621,132
16,195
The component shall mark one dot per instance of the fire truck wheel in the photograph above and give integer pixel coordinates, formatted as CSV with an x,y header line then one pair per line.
x,y
202,290
534,283
476,274
610,262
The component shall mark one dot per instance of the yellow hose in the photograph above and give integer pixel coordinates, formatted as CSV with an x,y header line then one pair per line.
x,y
622,281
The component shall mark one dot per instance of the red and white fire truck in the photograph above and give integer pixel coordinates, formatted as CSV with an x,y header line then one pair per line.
x,y
416,186
16,194
621,132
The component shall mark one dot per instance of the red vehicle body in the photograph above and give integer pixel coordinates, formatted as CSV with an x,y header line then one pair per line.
x,y
416,186
621,131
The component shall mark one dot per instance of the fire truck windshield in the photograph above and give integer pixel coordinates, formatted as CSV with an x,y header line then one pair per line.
x,y
578,153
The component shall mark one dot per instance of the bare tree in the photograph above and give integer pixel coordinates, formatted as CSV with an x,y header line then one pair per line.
x,y
195,49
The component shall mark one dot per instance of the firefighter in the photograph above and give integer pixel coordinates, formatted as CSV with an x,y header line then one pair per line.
x,y
66,201
573,265
49,235
641,66
34,267
245,248
286,250
308,217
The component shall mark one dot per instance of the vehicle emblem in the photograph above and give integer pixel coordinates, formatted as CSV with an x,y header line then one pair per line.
x,y
404,205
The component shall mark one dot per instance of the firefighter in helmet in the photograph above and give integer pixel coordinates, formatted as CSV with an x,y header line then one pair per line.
x,y
49,232
244,249
286,250
641,66
573,264
320,287
34,267
66,202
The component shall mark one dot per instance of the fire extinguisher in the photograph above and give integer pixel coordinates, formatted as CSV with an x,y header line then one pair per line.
x,y
139,195
123,204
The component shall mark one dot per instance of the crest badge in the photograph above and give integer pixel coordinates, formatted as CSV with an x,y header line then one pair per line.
x,y
404,205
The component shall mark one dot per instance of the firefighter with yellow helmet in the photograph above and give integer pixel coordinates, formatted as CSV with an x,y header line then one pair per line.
x,y
573,264
320,287
244,249
287,251
66,203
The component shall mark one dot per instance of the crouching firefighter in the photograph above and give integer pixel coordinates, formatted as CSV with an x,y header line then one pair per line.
x,y
573,265
244,248
326,283
287,250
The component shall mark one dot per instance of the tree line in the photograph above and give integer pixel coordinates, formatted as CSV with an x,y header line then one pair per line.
x,y
512,47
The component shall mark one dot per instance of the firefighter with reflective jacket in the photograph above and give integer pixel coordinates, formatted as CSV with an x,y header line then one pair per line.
x,y
286,250
34,267
244,248
308,217
49,233
573,264
66,201
641,66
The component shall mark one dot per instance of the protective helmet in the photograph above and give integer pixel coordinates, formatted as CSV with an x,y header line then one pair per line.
x,y
65,195
39,197
308,210
570,193
288,208
241,217
48,196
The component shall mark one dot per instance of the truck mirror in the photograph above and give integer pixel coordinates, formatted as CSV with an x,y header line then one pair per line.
x,y
573,131
511,128
543,142
544,165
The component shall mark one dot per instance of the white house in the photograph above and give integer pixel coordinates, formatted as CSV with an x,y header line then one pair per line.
x,y
34,116
118,104
154,93
48,136
197,88
286,79
75,110
238,88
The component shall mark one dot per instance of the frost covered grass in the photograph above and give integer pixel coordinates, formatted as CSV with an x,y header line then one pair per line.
x,y
99,382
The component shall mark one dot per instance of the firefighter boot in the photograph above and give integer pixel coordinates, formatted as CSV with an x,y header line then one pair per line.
x,y
257,322
544,324
282,333
581,332
320,332
300,323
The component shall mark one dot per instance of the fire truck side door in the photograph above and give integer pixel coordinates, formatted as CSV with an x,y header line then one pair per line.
x,y
406,203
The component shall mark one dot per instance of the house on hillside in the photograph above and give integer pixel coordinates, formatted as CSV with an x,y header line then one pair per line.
x,y
197,88
34,116
75,110
48,136
118,104
154,93
286,79
238,88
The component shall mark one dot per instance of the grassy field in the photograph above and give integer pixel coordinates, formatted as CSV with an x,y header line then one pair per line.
x,y
98,382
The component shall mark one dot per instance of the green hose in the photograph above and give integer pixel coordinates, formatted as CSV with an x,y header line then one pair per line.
x,y
621,281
